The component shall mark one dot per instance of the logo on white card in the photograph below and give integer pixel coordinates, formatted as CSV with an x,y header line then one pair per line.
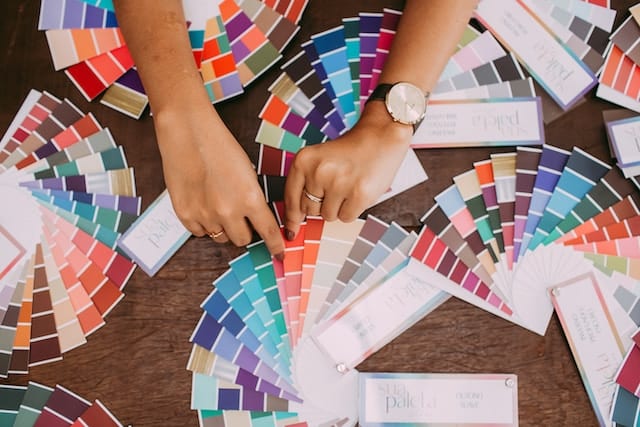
x,y
504,122
399,398
412,289
555,71
159,230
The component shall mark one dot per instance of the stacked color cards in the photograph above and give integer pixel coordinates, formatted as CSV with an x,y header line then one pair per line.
x,y
69,195
233,42
620,77
275,343
38,405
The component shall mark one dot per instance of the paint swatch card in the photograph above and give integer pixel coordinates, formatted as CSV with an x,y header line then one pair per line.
x,y
624,137
372,320
491,122
625,409
620,80
552,64
592,336
392,399
155,236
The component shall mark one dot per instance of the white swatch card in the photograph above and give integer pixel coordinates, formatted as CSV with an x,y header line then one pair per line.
x,y
624,136
415,400
376,317
592,335
553,65
481,122
155,236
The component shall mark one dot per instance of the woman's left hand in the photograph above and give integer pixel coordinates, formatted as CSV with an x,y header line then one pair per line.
x,y
339,179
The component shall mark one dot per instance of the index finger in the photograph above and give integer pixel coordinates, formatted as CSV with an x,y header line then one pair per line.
x,y
265,224
293,214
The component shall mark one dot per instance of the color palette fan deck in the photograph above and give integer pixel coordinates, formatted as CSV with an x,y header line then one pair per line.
x,y
233,42
70,194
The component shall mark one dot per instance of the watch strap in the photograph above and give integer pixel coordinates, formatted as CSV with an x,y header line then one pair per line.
x,y
380,92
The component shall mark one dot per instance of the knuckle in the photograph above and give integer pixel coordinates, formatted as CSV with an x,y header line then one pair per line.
x,y
224,213
196,232
242,241
304,155
254,199
326,169
271,231
347,217
329,217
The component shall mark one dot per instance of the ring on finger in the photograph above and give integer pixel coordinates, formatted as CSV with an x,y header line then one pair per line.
x,y
215,235
312,197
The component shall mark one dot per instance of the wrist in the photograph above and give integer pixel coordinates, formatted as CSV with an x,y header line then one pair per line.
x,y
376,119
184,94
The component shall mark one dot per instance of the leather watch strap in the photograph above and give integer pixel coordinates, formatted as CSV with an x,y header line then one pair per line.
x,y
380,92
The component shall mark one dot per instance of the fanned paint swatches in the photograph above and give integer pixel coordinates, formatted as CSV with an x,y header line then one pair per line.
x,y
69,194
38,405
323,88
538,230
522,221
233,42
264,349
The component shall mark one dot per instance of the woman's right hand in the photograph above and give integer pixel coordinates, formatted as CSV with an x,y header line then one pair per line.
x,y
211,181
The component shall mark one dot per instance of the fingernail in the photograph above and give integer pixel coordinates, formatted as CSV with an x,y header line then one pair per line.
x,y
279,256
290,235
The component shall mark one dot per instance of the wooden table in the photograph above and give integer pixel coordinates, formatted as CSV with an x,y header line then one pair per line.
x,y
136,363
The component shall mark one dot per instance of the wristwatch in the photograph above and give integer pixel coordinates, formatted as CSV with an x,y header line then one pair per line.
x,y
405,102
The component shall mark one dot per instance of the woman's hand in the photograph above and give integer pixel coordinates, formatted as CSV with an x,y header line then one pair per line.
x,y
212,183
341,178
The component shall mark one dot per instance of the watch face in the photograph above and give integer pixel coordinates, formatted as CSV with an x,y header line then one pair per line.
x,y
406,103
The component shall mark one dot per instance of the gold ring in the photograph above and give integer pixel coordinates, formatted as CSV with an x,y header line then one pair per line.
x,y
312,197
216,235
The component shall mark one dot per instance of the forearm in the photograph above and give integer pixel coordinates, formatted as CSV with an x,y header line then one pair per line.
x,y
156,35
425,40
427,35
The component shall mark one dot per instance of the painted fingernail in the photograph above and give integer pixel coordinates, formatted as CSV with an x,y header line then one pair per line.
x,y
279,256
290,235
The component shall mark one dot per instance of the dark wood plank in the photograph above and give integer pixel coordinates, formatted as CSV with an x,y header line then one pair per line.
x,y
136,363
